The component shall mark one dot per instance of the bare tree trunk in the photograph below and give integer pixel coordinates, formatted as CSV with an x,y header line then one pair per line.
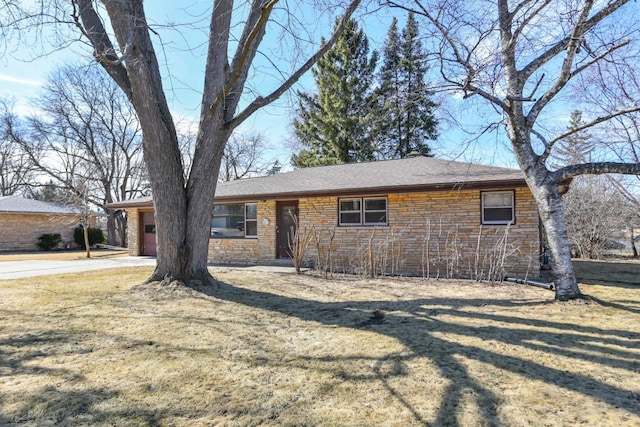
x,y
551,212
544,188
121,228
85,233
170,204
111,227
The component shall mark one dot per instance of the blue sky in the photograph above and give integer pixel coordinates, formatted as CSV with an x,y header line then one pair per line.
x,y
182,58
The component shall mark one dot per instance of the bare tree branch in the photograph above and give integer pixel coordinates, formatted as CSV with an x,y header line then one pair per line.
x,y
263,101
104,52
599,168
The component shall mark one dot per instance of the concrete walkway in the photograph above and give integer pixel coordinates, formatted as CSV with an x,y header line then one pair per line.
x,y
32,268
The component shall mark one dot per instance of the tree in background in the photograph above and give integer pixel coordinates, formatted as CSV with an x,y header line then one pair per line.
x,y
51,192
406,118
595,216
16,169
242,157
576,147
334,124
594,208
87,139
620,86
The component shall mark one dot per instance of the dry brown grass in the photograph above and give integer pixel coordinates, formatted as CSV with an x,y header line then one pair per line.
x,y
62,255
280,349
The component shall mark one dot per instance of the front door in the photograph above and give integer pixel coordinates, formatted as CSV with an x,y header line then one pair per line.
x,y
148,234
286,219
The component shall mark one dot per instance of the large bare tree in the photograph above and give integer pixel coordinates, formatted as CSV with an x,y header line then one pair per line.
x,y
86,137
122,40
524,58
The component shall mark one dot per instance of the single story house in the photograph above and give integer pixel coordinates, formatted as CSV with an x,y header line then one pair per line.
x,y
413,216
23,220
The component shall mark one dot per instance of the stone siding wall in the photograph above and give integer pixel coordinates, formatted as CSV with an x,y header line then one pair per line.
x,y
133,232
428,233
20,232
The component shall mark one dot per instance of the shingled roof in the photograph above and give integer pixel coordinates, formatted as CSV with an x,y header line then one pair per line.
x,y
17,204
388,176
411,174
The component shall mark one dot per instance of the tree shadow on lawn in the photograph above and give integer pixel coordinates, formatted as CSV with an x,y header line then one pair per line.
x,y
573,341
66,399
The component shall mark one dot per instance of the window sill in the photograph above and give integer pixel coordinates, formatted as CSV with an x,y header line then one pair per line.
x,y
233,237
363,225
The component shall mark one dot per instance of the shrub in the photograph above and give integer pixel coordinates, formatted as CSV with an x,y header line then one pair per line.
x,y
95,236
48,241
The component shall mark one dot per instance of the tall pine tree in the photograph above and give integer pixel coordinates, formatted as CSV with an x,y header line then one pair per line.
x,y
574,149
333,124
406,112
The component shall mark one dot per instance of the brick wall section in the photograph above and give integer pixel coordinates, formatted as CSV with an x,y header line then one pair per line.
x,y
20,232
434,234
429,233
133,231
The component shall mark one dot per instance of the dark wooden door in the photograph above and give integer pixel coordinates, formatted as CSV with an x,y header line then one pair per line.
x,y
148,234
286,218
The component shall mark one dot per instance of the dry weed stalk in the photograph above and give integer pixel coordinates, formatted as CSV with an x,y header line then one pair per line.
x,y
426,240
477,256
325,254
299,243
372,262
445,253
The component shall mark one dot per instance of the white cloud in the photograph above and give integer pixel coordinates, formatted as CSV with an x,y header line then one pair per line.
x,y
17,80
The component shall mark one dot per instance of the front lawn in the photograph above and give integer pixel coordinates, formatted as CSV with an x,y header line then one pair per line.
x,y
279,349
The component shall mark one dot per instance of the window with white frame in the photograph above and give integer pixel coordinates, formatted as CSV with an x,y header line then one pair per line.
x,y
362,211
498,207
235,220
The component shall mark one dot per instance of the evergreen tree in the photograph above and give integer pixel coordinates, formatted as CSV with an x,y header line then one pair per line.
x,y
53,193
405,117
333,124
574,149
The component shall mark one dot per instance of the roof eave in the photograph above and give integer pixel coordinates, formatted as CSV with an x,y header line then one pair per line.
x,y
125,205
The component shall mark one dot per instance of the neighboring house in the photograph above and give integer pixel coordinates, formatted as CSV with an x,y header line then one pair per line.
x,y
22,221
414,216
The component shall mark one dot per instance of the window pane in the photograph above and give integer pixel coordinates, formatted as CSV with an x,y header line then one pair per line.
x,y
350,218
252,228
375,217
228,221
503,215
252,211
221,210
375,204
349,205
501,199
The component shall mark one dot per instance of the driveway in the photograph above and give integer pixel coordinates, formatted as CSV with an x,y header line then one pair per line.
x,y
31,268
